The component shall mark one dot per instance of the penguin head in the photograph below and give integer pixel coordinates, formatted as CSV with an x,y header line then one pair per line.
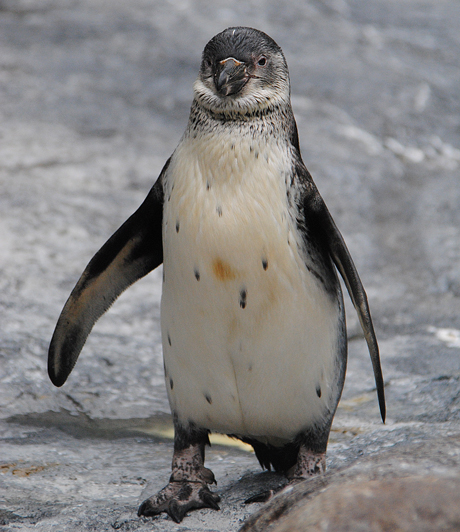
x,y
242,70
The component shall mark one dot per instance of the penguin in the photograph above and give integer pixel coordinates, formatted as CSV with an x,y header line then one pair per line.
x,y
252,313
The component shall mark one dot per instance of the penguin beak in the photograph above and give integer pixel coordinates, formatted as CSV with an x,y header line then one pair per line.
x,y
230,76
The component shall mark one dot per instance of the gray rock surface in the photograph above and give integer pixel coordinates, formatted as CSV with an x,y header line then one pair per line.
x,y
94,96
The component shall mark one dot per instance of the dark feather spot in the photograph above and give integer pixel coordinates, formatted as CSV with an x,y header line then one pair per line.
x,y
208,186
171,383
197,274
243,296
250,367
169,339
208,398
316,274
177,226
219,210
318,390
265,264
257,154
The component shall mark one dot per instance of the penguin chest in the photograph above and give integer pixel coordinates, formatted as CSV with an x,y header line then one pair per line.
x,y
249,334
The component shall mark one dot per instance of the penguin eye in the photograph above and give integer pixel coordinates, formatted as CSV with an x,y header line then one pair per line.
x,y
208,63
262,61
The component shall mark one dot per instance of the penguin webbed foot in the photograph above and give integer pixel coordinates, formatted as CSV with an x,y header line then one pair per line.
x,y
263,496
188,485
178,497
309,464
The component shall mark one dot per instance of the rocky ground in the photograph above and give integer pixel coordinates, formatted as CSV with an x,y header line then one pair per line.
x,y
94,97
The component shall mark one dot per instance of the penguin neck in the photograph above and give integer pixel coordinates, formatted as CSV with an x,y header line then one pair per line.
x,y
265,123
228,154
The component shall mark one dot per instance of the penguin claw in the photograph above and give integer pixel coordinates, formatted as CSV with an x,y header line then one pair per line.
x,y
176,512
209,499
264,496
177,498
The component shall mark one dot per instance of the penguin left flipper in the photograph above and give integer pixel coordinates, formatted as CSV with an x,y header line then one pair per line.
x,y
129,254
319,220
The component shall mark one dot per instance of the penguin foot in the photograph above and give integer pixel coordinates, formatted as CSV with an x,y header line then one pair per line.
x,y
177,498
263,496
187,489
309,463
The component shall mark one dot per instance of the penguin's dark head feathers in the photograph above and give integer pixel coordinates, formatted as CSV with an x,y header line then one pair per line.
x,y
242,70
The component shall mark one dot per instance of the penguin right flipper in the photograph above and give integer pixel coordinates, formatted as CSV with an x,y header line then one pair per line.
x,y
129,254
321,222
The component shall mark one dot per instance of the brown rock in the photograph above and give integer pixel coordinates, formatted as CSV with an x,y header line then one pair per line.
x,y
410,487
412,504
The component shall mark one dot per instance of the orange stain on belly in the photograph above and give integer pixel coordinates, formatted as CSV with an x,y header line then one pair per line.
x,y
223,271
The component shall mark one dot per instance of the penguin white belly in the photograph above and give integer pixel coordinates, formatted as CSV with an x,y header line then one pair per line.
x,y
250,336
